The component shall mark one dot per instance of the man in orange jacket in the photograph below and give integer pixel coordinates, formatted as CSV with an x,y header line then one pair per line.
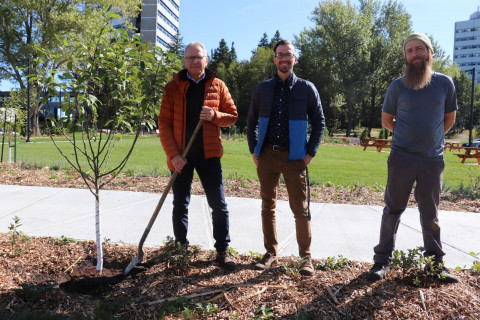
x,y
196,94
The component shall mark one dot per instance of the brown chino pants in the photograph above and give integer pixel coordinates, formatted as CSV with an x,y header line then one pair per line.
x,y
270,165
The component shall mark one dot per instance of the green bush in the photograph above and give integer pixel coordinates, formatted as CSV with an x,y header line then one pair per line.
x,y
364,135
177,257
333,263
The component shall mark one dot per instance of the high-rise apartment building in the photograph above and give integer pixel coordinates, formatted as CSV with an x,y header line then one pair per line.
x,y
158,22
466,51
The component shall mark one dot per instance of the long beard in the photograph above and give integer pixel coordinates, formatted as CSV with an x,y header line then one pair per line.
x,y
418,77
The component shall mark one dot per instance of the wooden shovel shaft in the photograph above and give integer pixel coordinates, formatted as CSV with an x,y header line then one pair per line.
x,y
167,188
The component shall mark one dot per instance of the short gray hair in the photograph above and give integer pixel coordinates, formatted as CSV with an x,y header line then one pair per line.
x,y
195,44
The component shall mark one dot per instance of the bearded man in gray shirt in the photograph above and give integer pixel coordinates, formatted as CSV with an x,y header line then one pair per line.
x,y
419,108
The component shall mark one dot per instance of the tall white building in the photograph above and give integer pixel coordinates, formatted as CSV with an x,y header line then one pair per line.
x,y
158,22
466,51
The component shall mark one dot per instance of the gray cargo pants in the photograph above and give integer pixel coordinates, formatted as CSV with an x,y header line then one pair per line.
x,y
402,173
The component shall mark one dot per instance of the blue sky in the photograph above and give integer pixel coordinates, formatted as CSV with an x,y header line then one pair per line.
x,y
244,21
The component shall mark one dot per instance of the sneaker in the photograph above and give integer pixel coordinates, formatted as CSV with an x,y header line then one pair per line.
x,y
267,261
378,272
438,270
225,260
306,267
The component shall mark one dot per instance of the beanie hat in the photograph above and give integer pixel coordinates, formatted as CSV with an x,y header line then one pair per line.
x,y
421,37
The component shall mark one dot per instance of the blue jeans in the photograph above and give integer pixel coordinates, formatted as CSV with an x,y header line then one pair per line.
x,y
210,173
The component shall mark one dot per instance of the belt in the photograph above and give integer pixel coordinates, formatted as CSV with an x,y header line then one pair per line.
x,y
275,147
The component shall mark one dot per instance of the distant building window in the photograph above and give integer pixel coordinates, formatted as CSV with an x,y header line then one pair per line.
x,y
467,38
467,30
162,42
168,10
168,21
175,5
165,31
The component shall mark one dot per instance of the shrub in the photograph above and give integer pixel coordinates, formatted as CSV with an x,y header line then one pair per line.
x,y
333,263
16,236
414,264
364,135
177,257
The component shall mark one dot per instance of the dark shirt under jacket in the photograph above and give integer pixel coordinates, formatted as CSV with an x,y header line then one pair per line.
x,y
195,95
278,127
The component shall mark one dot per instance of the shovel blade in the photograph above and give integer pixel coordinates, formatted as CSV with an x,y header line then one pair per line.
x,y
132,264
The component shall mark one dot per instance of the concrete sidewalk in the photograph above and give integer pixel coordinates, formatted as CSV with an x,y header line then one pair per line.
x,y
347,230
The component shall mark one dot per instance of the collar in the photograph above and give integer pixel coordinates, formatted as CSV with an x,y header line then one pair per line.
x,y
196,81
288,81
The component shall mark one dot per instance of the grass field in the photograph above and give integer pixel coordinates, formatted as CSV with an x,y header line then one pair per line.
x,y
335,164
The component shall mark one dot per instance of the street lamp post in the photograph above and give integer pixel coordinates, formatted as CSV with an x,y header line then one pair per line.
x,y
471,105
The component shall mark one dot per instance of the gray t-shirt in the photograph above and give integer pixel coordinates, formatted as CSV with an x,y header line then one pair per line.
x,y
419,115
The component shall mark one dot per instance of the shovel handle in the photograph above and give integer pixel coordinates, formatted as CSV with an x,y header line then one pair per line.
x,y
167,188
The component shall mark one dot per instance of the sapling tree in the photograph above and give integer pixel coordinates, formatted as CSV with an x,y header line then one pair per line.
x,y
113,84
12,120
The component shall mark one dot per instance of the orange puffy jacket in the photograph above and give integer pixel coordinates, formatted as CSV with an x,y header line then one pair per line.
x,y
172,117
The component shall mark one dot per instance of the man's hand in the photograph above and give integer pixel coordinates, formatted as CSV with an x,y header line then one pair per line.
x,y
255,159
178,162
207,114
308,159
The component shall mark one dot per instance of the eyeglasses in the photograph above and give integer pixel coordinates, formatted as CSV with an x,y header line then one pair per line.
x,y
193,58
284,55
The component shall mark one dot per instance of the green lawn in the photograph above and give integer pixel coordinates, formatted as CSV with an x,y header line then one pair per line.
x,y
334,164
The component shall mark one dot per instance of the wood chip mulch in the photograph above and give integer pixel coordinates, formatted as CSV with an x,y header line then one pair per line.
x,y
44,278
40,280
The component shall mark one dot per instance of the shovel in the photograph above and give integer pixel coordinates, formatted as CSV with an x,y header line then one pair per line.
x,y
139,257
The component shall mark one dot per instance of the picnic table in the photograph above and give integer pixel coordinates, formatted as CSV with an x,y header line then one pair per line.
x,y
470,152
377,143
452,145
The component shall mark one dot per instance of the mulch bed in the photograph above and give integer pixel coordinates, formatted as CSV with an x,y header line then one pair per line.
x,y
57,278
45,278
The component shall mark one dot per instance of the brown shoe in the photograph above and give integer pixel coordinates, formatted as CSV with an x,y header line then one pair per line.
x,y
225,261
267,261
306,267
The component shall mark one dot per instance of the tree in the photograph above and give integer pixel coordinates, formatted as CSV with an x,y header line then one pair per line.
x,y
389,25
352,54
12,119
249,74
313,67
114,84
464,90
264,43
220,55
233,53
177,47
341,35
229,75
28,24
276,37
